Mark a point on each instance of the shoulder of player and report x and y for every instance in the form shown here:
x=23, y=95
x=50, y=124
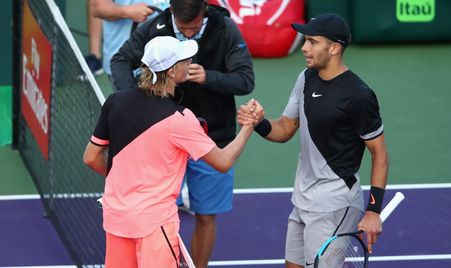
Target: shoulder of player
x=352, y=78
x=185, y=112
x=117, y=99
x=114, y=96
x=352, y=83
x=361, y=93
x=182, y=117
x=122, y=95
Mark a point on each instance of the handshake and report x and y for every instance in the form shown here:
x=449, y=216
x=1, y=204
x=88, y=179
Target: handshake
x=250, y=114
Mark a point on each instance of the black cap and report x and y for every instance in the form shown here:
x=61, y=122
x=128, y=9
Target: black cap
x=329, y=25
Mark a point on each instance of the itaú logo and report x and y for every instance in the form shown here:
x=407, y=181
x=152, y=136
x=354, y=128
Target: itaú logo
x=34, y=97
x=415, y=10
x=247, y=8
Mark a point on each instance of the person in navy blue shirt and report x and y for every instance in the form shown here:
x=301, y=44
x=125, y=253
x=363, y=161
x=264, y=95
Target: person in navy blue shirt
x=338, y=117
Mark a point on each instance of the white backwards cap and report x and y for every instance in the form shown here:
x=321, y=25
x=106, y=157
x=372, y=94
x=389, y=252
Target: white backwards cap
x=162, y=52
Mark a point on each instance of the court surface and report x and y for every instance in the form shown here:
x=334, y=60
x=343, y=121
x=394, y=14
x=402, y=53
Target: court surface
x=253, y=234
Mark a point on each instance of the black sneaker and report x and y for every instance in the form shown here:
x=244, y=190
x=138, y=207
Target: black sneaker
x=94, y=64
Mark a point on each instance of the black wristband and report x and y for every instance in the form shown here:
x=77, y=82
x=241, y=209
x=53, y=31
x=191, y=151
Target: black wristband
x=263, y=128
x=376, y=198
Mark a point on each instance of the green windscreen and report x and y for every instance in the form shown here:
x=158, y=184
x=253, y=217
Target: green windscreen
x=5, y=115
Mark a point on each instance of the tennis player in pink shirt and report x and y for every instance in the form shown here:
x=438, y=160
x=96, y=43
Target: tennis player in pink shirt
x=142, y=142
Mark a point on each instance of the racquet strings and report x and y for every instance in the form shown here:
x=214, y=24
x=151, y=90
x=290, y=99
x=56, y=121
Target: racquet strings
x=344, y=251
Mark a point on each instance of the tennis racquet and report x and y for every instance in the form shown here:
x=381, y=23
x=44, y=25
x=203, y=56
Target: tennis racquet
x=347, y=249
x=185, y=258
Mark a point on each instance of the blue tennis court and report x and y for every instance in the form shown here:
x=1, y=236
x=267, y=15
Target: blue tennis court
x=253, y=234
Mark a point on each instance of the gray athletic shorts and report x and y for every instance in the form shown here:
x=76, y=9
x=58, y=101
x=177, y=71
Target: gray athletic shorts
x=307, y=231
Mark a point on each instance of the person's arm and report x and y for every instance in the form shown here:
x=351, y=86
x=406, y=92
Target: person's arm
x=239, y=77
x=94, y=33
x=96, y=158
x=108, y=10
x=371, y=222
x=223, y=159
x=280, y=130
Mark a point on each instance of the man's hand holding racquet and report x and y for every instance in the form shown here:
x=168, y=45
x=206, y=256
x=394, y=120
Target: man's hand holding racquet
x=371, y=224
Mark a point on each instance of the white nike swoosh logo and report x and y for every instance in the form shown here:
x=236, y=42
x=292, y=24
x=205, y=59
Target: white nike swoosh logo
x=159, y=26
x=314, y=95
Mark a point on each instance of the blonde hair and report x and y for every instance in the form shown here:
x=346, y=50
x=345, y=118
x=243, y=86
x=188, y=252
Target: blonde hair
x=157, y=89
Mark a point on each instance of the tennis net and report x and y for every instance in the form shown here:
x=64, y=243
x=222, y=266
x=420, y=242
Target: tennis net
x=56, y=105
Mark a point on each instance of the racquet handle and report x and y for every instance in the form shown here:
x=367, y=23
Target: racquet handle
x=391, y=206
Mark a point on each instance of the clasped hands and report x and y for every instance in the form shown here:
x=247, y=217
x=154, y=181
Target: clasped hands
x=250, y=114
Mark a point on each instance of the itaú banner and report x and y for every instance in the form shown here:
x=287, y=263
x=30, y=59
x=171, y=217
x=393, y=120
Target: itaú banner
x=266, y=24
x=36, y=80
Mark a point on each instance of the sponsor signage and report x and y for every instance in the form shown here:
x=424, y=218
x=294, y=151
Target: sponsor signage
x=266, y=24
x=415, y=10
x=36, y=80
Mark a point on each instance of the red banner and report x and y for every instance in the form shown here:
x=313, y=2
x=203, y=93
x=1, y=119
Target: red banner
x=266, y=24
x=36, y=80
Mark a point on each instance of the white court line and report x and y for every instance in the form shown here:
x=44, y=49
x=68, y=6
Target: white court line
x=248, y=191
x=372, y=259
x=365, y=187
x=282, y=261
x=19, y=197
x=411, y=257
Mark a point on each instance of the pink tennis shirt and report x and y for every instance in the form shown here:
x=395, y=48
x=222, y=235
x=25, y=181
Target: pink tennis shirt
x=150, y=140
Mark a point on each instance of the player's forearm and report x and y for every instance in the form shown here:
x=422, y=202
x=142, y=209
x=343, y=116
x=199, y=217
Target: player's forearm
x=108, y=10
x=99, y=166
x=282, y=130
x=98, y=163
x=233, y=150
x=96, y=158
x=223, y=159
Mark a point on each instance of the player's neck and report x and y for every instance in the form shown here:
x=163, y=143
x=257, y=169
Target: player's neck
x=332, y=70
x=170, y=89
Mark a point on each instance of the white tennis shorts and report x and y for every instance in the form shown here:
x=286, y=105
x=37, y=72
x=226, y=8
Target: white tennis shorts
x=307, y=231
